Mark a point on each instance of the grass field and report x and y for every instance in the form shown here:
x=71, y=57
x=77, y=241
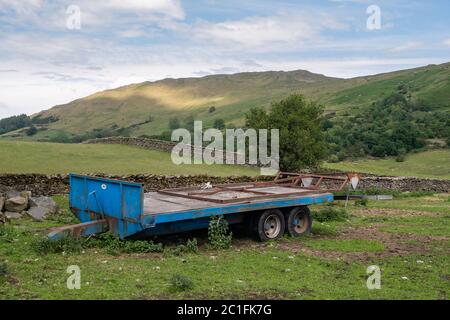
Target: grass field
x=409, y=245
x=429, y=164
x=52, y=158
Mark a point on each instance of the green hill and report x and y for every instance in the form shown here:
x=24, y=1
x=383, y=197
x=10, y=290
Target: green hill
x=428, y=164
x=56, y=158
x=146, y=108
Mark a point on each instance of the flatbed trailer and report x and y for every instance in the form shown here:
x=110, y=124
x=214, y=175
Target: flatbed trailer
x=269, y=208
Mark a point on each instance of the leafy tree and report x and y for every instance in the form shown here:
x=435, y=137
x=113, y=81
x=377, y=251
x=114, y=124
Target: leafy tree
x=302, y=141
x=31, y=131
x=174, y=123
x=14, y=123
x=189, y=123
x=219, y=124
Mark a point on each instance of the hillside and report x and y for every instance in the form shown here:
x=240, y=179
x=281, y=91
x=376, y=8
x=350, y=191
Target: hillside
x=146, y=108
x=428, y=164
x=55, y=158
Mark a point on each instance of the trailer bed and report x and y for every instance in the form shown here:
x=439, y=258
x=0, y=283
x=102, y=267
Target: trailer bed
x=124, y=209
x=160, y=203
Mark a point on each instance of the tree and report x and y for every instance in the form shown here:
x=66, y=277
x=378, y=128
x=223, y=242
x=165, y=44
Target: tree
x=302, y=141
x=31, y=131
x=14, y=123
x=219, y=124
x=174, y=123
x=189, y=123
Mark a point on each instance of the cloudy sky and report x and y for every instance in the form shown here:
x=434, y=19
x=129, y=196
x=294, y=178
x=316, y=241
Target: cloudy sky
x=52, y=52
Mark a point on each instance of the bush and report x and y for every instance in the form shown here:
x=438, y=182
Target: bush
x=31, y=131
x=218, y=234
x=181, y=283
x=192, y=245
x=363, y=202
x=114, y=245
x=106, y=241
x=329, y=213
x=66, y=244
x=333, y=159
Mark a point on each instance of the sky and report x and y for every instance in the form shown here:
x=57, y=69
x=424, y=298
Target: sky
x=53, y=52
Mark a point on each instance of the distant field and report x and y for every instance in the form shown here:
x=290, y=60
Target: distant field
x=53, y=158
x=429, y=164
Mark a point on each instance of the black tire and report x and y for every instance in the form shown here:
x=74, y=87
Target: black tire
x=268, y=225
x=299, y=221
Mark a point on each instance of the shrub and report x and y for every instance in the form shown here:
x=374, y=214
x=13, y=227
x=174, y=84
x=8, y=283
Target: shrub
x=114, y=245
x=66, y=244
x=181, y=283
x=329, y=213
x=333, y=158
x=106, y=241
x=363, y=202
x=140, y=246
x=192, y=245
x=31, y=131
x=218, y=233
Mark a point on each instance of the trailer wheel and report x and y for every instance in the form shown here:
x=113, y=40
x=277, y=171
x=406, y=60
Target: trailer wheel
x=299, y=221
x=269, y=225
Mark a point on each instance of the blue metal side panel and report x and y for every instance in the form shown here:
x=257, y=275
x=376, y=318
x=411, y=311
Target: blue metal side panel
x=119, y=201
x=237, y=208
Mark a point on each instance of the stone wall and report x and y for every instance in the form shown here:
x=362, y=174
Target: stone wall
x=43, y=185
x=152, y=144
x=166, y=146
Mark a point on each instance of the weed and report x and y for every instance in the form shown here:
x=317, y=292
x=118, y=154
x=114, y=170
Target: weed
x=114, y=245
x=66, y=244
x=324, y=229
x=8, y=233
x=192, y=245
x=363, y=202
x=181, y=283
x=329, y=213
x=3, y=269
x=218, y=233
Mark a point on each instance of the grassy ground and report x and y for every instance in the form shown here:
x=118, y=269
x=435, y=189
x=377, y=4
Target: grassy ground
x=429, y=164
x=410, y=245
x=52, y=158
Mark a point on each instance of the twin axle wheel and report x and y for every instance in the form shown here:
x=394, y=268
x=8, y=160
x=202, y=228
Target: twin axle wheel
x=272, y=224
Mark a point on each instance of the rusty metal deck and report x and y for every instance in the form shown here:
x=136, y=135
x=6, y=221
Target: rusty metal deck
x=159, y=203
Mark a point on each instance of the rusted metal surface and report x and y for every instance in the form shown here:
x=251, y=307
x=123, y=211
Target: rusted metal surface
x=81, y=229
x=288, y=184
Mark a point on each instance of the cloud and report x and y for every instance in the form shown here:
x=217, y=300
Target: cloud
x=447, y=42
x=264, y=31
x=411, y=45
x=171, y=8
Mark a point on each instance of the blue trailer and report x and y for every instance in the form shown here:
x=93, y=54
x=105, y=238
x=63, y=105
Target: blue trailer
x=269, y=208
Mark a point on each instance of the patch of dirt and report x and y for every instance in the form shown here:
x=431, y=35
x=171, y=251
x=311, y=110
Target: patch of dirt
x=395, y=244
x=393, y=212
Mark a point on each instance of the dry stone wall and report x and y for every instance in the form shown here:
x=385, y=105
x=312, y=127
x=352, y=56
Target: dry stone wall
x=43, y=185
